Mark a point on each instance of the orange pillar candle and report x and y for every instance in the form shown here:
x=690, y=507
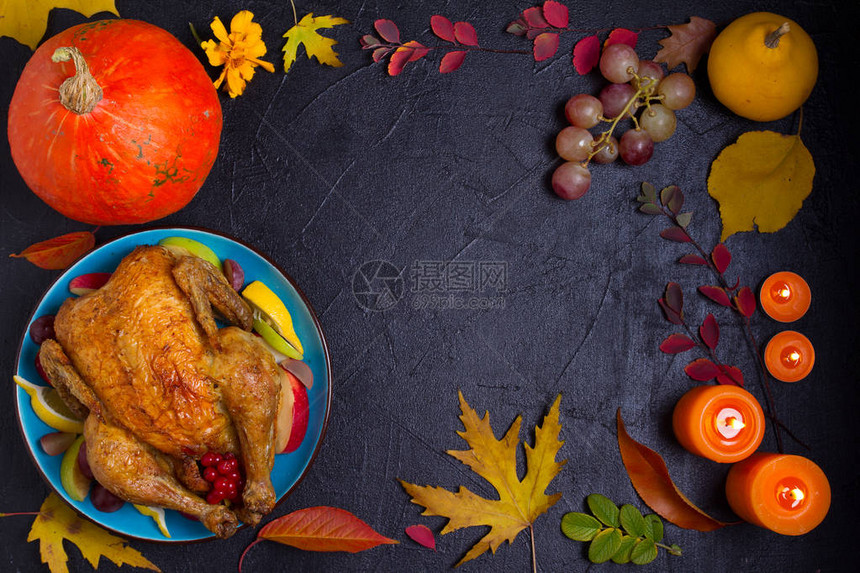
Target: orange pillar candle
x=789, y=356
x=722, y=423
x=786, y=494
x=785, y=296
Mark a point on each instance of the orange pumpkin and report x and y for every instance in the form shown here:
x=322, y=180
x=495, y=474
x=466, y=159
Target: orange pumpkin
x=114, y=122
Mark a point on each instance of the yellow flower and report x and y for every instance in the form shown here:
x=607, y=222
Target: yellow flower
x=239, y=52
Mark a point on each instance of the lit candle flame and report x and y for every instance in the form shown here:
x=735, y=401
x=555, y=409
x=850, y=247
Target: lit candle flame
x=793, y=494
x=785, y=292
x=734, y=423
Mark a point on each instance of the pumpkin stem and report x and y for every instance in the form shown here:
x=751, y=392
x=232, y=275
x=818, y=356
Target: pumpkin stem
x=79, y=93
x=772, y=40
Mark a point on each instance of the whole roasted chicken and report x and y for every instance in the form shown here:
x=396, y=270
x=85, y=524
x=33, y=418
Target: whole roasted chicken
x=143, y=361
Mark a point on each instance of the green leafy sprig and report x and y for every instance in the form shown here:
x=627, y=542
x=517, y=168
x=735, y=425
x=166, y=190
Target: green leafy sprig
x=622, y=535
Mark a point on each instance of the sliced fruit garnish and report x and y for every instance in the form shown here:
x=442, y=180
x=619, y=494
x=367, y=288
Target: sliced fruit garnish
x=284, y=417
x=50, y=408
x=186, y=246
x=76, y=484
x=270, y=309
x=84, y=284
x=300, y=370
x=275, y=340
x=156, y=513
x=301, y=414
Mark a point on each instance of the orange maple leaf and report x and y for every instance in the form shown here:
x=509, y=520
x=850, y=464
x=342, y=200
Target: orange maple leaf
x=520, y=501
x=687, y=44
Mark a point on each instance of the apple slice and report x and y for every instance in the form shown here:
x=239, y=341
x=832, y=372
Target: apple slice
x=88, y=283
x=291, y=424
x=186, y=246
x=76, y=484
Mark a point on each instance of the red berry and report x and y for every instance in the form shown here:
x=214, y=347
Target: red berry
x=222, y=485
x=227, y=466
x=210, y=459
x=229, y=456
x=234, y=495
x=234, y=476
x=210, y=474
x=214, y=497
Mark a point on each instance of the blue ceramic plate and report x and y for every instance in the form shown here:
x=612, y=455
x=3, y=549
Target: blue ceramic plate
x=289, y=468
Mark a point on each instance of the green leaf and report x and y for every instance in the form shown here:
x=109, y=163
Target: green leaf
x=604, y=545
x=653, y=528
x=603, y=509
x=650, y=209
x=580, y=526
x=623, y=554
x=632, y=520
x=684, y=219
x=649, y=192
x=667, y=193
x=643, y=552
x=674, y=549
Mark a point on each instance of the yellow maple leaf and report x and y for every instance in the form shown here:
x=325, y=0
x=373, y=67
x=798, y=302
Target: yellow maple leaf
x=761, y=181
x=305, y=33
x=57, y=521
x=27, y=20
x=520, y=501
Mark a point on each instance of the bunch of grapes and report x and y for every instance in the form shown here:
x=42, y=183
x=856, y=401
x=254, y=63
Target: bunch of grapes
x=640, y=92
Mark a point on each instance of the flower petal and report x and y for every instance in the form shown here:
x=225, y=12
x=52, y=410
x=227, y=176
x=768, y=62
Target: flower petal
x=235, y=83
x=219, y=30
x=263, y=64
x=241, y=22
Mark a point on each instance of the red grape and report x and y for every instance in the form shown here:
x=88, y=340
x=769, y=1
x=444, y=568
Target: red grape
x=583, y=110
x=617, y=61
x=614, y=98
x=636, y=147
x=608, y=153
x=234, y=274
x=83, y=462
x=574, y=143
x=103, y=500
x=678, y=90
x=42, y=328
x=571, y=180
x=659, y=122
x=650, y=69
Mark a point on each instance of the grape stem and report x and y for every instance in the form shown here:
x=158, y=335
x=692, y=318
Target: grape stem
x=645, y=86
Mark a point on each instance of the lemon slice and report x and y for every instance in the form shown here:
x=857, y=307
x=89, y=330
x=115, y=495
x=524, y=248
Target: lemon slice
x=271, y=310
x=50, y=408
x=76, y=484
x=156, y=513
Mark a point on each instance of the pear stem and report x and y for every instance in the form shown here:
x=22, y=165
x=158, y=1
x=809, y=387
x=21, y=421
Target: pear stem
x=772, y=40
x=81, y=92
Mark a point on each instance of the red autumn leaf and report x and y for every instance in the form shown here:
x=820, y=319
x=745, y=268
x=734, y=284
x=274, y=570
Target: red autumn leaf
x=673, y=198
x=710, y=331
x=676, y=234
x=422, y=535
x=671, y=315
x=388, y=30
x=545, y=47
x=442, y=27
x=745, y=301
x=465, y=34
x=556, y=14
x=369, y=41
x=651, y=480
x=419, y=50
x=380, y=53
x=730, y=375
x=716, y=294
x=674, y=297
x=322, y=528
x=621, y=36
x=59, y=252
x=586, y=54
x=451, y=61
x=687, y=44
x=677, y=343
x=721, y=257
x=398, y=60
x=692, y=260
x=534, y=17
x=702, y=370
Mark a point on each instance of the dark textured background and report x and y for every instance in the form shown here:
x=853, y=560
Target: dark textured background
x=325, y=169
